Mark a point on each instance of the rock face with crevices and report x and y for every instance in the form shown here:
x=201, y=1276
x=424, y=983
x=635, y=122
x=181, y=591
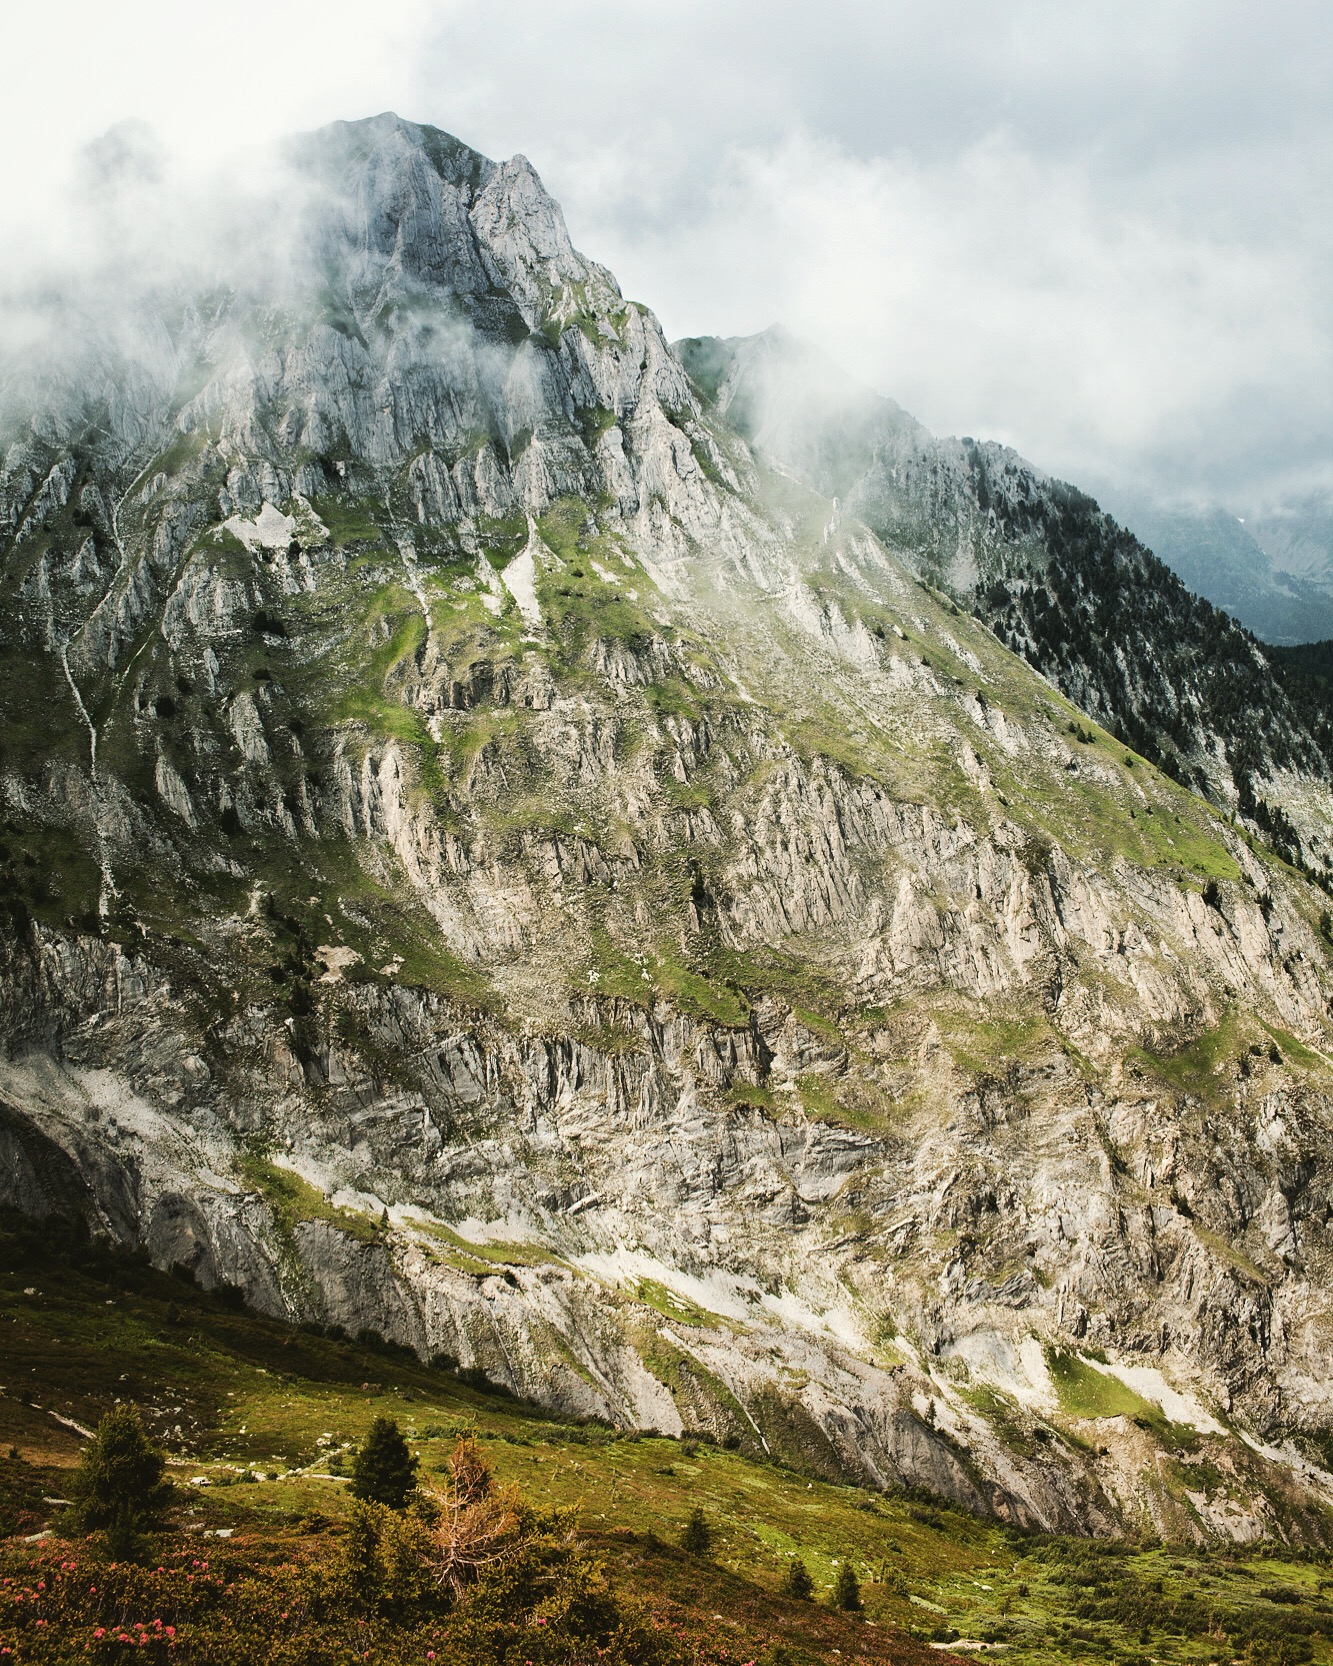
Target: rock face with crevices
x=490, y=859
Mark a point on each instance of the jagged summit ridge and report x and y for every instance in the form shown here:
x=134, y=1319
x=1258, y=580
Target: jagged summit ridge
x=437, y=312
x=456, y=316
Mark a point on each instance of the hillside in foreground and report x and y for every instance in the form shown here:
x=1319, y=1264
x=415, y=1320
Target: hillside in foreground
x=260, y=1418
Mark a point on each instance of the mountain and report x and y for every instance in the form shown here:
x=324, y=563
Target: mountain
x=502, y=853
x=1297, y=534
x=1219, y=557
x=1054, y=577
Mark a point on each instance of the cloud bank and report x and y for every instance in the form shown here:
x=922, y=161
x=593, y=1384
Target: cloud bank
x=1100, y=234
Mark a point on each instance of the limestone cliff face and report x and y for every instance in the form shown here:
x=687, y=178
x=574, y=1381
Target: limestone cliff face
x=490, y=860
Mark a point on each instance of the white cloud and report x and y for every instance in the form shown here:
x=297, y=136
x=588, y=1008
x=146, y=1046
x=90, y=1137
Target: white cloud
x=1102, y=233
x=999, y=292
x=210, y=79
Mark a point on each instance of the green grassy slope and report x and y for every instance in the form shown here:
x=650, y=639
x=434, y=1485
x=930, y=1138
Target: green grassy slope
x=259, y=1419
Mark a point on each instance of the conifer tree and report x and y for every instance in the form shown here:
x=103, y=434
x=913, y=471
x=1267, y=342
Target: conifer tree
x=385, y=1471
x=846, y=1591
x=119, y=1487
x=697, y=1536
x=798, y=1583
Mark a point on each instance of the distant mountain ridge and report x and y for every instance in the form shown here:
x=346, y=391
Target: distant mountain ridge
x=1058, y=580
x=1239, y=566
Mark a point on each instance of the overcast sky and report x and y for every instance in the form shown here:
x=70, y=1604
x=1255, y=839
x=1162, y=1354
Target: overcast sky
x=1099, y=231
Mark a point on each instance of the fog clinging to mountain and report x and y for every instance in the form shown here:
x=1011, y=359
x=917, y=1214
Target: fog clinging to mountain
x=1101, y=237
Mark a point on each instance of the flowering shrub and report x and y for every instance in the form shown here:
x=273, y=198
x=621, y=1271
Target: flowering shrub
x=75, y=1596
x=549, y=1604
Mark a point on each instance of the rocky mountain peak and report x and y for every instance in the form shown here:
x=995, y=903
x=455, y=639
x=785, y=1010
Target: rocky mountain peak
x=404, y=208
x=494, y=854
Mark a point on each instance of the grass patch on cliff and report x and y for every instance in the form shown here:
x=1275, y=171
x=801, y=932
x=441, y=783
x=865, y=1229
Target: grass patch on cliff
x=580, y=609
x=1112, y=804
x=485, y=1255
x=989, y=1044
x=465, y=735
x=178, y=455
x=676, y=1307
x=392, y=629
x=815, y=997
x=1086, y=1392
x=325, y=888
x=1136, y=815
x=40, y=726
x=47, y=874
x=292, y=1200
x=612, y=973
x=501, y=537
x=594, y=592
x=351, y=520
x=819, y=1098
x=754, y=1097
x=390, y=633
x=823, y=734
x=1293, y=1050
x=1195, y=1068
x=694, y=992
x=1003, y=1415
x=659, y=973
x=1226, y=1251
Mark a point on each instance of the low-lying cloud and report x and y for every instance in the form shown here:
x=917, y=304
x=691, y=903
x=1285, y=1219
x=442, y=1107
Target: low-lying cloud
x=997, y=292
x=1101, y=234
